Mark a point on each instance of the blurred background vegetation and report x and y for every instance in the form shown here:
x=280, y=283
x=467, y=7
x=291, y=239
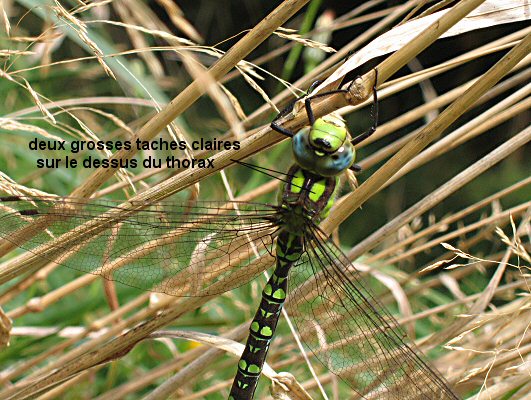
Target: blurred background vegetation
x=54, y=69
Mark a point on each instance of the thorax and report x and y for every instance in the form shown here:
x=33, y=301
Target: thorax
x=304, y=197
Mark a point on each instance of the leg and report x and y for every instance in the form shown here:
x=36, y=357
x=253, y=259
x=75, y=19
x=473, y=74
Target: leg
x=286, y=132
x=308, y=102
x=313, y=86
x=356, y=168
x=374, y=112
x=280, y=129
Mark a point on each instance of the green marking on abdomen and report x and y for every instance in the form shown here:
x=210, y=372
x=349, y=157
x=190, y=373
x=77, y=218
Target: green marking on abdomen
x=265, y=321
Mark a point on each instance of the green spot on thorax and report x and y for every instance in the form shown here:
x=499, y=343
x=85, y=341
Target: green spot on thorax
x=297, y=181
x=317, y=190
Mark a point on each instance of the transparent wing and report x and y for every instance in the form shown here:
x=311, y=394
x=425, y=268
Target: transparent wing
x=352, y=333
x=182, y=250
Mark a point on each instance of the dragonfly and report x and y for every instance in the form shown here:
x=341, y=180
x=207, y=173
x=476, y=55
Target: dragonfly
x=208, y=248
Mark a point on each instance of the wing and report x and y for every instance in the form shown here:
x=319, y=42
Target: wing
x=352, y=333
x=182, y=250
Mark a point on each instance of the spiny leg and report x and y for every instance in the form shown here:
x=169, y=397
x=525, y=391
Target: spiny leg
x=356, y=168
x=374, y=111
x=308, y=102
x=287, y=132
x=279, y=128
x=309, y=112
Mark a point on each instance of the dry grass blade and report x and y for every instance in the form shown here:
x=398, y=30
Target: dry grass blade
x=442, y=239
x=79, y=27
x=178, y=105
x=433, y=130
x=488, y=14
x=180, y=21
x=192, y=93
x=5, y=328
x=437, y=197
x=290, y=35
x=220, y=344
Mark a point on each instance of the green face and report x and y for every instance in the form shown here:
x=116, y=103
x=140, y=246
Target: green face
x=324, y=149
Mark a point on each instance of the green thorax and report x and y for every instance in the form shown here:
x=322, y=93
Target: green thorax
x=305, y=197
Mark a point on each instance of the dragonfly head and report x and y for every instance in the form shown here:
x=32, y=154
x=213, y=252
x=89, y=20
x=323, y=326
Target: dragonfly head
x=324, y=148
